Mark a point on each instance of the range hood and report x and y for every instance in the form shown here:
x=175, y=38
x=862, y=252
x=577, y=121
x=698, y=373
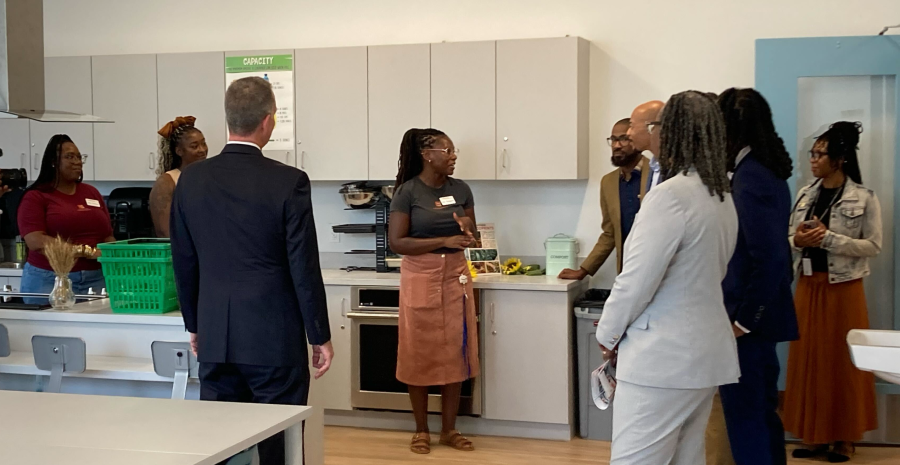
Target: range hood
x=22, y=65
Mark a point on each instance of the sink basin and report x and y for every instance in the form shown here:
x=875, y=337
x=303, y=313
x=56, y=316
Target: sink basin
x=11, y=265
x=876, y=351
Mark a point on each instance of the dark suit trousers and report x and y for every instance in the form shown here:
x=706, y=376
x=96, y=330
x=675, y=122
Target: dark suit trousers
x=751, y=406
x=228, y=382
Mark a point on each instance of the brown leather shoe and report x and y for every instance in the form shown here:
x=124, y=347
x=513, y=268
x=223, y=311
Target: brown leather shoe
x=457, y=441
x=421, y=443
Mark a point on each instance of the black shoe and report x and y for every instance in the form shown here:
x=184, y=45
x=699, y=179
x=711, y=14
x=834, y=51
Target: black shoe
x=808, y=452
x=834, y=457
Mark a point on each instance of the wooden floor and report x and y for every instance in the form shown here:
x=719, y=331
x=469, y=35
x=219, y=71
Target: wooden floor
x=346, y=446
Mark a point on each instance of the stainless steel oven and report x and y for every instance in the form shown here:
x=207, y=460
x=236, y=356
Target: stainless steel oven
x=375, y=312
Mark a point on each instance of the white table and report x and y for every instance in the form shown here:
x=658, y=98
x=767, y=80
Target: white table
x=146, y=431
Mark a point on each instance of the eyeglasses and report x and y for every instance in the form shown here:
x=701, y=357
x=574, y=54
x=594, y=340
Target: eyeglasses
x=814, y=155
x=73, y=158
x=446, y=151
x=613, y=140
x=651, y=125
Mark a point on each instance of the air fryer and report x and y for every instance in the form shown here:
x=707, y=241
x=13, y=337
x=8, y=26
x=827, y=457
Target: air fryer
x=129, y=210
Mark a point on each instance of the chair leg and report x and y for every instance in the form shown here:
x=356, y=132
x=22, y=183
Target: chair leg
x=56, y=374
x=179, y=387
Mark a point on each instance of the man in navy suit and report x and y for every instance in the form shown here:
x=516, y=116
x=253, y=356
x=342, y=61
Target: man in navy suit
x=757, y=288
x=247, y=267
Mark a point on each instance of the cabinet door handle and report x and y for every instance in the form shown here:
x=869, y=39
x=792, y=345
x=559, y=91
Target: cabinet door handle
x=503, y=158
x=493, y=331
x=24, y=160
x=36, y=161
x=152, y=161
x=303, y=159
x=343, y=310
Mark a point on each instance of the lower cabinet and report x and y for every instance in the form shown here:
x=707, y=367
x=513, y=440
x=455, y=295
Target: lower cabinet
x=527, y=356
x=332, y=391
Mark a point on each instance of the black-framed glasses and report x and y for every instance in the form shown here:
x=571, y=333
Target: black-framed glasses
x=814, y=155
x=652, y=125
x=446, y=151
x=613, y=140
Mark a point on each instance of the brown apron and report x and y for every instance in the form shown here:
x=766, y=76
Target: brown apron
x=437, y=327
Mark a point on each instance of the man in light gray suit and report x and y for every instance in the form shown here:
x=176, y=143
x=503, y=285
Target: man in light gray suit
x=666, y=315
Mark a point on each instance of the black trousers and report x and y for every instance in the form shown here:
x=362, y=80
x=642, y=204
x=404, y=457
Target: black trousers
x=229, y=382
x=751, y=406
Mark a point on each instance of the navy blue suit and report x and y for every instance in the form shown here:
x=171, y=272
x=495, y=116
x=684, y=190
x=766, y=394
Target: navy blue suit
x=247, y=269
x=757, y=291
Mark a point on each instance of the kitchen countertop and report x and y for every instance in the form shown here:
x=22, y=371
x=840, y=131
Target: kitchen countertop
x=96, y=311
x=334, y=277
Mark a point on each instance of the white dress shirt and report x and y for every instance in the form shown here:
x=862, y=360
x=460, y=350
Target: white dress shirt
x=240, y=142
x=666, y=312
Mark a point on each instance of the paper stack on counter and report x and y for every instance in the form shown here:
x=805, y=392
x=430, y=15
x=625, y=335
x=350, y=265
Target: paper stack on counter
x=603, y=385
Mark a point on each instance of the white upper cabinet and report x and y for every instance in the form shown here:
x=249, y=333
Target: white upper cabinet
x=14, y=137
x=399, y=99
x=542, y=108
x=67, y=87
x=463, y=104
x=331, y=113
x=124, y=90
x=193, y=84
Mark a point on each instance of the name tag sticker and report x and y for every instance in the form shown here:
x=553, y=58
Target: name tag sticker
x=447, y=201
x=807, y=267
x=92, y=202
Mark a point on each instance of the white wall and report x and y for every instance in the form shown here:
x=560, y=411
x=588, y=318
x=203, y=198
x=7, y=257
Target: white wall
x=642, y=50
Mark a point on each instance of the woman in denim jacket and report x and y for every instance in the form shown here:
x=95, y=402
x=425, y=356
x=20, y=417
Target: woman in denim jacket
x=835, y=228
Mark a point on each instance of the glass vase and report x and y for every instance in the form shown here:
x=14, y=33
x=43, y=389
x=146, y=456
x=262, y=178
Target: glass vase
x=62, y=297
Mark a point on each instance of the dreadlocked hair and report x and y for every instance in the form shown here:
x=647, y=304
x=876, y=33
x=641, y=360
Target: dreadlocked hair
x=168, y=159
x=748, y=123
x=414, y=141
x=693, y=136
x=843, y=138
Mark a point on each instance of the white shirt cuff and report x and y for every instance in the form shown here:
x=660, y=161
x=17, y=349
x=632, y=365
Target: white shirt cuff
x=742, y=328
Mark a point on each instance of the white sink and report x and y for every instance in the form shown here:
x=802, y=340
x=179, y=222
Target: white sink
x=876, y=351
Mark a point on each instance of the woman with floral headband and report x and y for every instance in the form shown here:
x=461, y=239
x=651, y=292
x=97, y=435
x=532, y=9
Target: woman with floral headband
x=180, y=145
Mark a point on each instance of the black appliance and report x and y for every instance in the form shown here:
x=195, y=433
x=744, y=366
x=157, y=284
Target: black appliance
x=16, y=179
x=129, y=210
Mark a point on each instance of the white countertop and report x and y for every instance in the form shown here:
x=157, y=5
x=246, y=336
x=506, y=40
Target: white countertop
x=96, y=311
x=334, y=277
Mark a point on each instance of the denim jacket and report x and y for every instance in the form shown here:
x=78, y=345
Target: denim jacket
x=854, y=231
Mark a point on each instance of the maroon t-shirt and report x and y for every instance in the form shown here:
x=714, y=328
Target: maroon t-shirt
x=81, y=218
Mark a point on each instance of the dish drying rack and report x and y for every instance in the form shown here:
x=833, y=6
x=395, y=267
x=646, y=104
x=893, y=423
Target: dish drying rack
x=383, y=253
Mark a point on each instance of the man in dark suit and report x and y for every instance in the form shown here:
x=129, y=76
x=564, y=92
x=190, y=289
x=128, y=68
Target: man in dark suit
x=757, y=288
x=247, y=267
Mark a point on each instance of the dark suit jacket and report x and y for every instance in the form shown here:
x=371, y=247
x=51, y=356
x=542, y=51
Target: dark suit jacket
x=757, y=288
x=247, y=261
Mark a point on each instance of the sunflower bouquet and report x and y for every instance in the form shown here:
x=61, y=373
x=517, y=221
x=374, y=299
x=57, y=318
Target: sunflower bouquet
x=514, y=266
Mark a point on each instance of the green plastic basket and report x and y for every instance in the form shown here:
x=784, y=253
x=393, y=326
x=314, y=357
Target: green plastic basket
x=139, y=276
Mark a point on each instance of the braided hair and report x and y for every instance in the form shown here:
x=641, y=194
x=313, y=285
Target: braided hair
x=748, y=122
x=842, y=139
x=693, y=136
x=414, y=141
x=168, y=158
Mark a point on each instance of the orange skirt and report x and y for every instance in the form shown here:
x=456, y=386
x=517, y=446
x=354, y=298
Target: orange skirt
x=827, y=398
x=437, y=328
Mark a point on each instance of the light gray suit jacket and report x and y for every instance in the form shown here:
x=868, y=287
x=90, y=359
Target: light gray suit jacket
x=666, y=311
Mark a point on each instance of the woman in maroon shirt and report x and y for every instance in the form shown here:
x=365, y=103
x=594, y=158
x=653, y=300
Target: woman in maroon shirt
x=58, y=203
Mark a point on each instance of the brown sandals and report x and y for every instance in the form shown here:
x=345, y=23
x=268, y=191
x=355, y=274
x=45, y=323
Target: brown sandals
x=457, y=441
x=421, y=443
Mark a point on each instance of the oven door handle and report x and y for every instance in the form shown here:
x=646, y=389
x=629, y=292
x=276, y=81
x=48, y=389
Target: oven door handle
x=374, y=315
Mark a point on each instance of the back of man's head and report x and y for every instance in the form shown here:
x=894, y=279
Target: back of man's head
x=247, y=103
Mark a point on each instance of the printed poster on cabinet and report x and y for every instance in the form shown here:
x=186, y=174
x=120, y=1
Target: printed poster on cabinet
x=279, y=71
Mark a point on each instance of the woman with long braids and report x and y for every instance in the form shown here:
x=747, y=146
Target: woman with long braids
x=432, y=221
x=665, y=319
x=835, y=229
x=59, y=204
x=180, y=145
